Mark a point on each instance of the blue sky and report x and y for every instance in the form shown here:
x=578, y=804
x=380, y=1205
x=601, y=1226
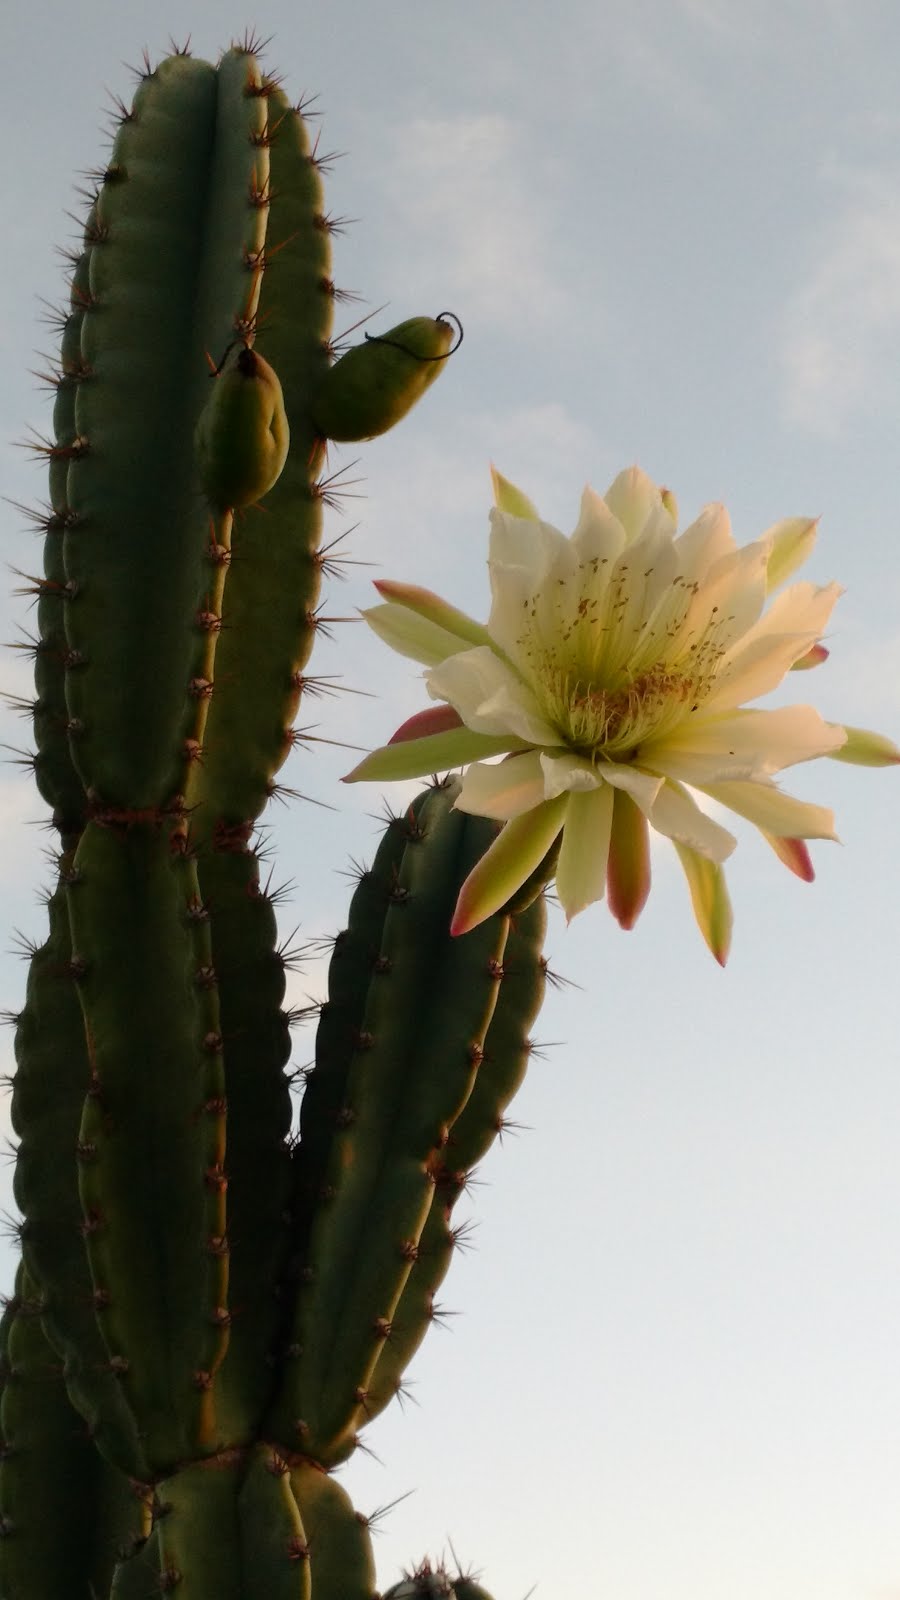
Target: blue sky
x=672, y=231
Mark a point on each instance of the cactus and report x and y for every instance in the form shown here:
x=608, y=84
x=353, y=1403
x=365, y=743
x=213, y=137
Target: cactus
x=209, y=1310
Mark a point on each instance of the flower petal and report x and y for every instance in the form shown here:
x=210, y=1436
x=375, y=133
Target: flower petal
x=490, y=696
x=503, y=789
x=864, y=749
x=583, y=857
x=567, y=773
x=704, y=543
x=791, y=542
x=676, y=815
x=740, y=744
x=628, y=868
x=430, y=606
x=709, y=898
x=773, y=811
x=632, y=497
x=794, y=853
x=814, y=657
x=437, y=752
x=508, y=498
x=789, y=629
x=436, y=719
x=599, y=536
x=517, y=851
x=413, y=635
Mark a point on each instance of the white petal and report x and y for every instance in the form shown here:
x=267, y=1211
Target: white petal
x=508, y=497
x=503, y=789
x=631, y=497
x=704, y=543
x=727, y=603
x=741, y=744
x=572, y=773
x=676, y=815
x=789, y=628
x=774, y=812
x=791, y=542
x=581, y=869
x=489, y=696
x=599, y=535
x=643, y=787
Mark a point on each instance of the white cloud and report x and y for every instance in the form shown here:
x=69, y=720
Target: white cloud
x=842, y=326
x=470, y=218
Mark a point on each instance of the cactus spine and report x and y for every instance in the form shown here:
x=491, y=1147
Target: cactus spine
x=208, y=1312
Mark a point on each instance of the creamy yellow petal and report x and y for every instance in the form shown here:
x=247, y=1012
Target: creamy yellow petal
x=584, y=854
x=790, y=544
x=503, y=789
x=567, y=774
x=675, y=814
x=773, y=811
x=507, y=497
x=632, y=497
x=707, y=541
x=490, y=696
x=740, y=744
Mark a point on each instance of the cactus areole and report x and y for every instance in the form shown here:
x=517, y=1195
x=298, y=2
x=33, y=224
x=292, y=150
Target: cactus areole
x=210, y=1307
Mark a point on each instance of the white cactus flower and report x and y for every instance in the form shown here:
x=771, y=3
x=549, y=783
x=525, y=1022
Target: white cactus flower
x=613, y=678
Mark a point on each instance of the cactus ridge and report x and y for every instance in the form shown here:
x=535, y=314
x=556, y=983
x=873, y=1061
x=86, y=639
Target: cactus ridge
x=401, y=1093
x=208, y=1311
x=51, y=1476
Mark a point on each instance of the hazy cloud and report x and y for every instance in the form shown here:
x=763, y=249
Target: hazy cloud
x=842, y=326
x=459, y=185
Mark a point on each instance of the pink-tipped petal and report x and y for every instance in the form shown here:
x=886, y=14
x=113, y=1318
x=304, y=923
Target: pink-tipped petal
x=437, y=719
x=628, y=870
x=518, y=850
x=709, y=898
x=430, y=606
x=794, y=853
x=813, y=658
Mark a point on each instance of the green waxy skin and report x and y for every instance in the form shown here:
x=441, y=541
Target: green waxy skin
x=211, y=1311
x=52, y=1079
x=51, y=1477
x=507, y=1049
x=242, y=436
x=340, y=1547
x=412, y=1065
x=152, y=1134
x=274, y=1547
x=374, y=385
x=136, y=1576
x=198, y=1535
x=250, y=988
x=162, y=291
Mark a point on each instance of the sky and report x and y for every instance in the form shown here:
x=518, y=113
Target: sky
x=672, y=232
